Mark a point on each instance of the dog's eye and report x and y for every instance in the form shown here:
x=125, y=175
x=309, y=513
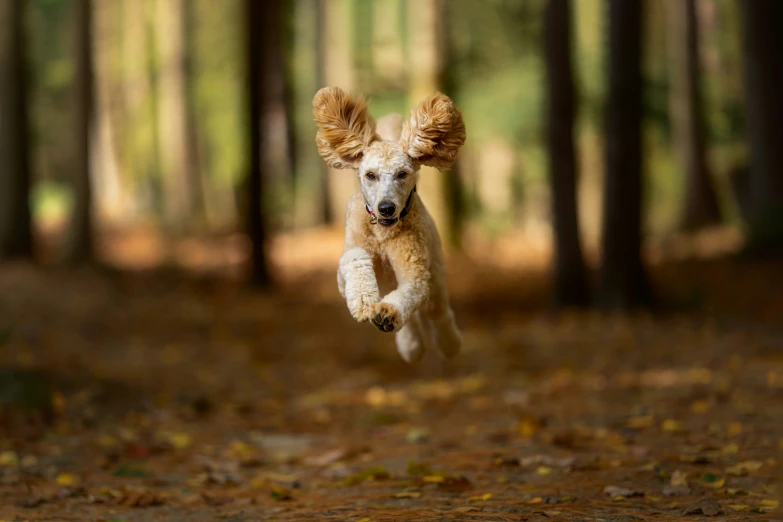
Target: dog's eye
x=402, y=175
x=370, y=176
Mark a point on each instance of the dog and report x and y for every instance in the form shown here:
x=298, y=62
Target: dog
x=389, y=235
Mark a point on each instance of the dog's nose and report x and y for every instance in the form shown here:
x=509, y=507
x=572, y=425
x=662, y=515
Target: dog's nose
x=386, y=208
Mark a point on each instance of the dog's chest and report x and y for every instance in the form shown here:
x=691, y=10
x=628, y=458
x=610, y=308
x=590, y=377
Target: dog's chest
x=384, y=273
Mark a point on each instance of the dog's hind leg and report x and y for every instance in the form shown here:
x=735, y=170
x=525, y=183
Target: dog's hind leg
x=447, y=337
x=414, y=338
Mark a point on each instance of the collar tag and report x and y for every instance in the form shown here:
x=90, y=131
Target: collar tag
x=373, y=217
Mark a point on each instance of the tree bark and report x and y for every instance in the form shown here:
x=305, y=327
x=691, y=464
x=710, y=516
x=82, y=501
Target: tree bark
x=569, y=268
x=426, y=62
x=453, y=189
x=175, y=120
x=623, y=281
x=80, y=247
x=16, y=237
x=700, y=203
x=257, y=21
x=763, y=86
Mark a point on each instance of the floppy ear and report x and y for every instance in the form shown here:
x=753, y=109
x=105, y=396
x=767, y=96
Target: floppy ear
x=434, y=133
x=345, y=128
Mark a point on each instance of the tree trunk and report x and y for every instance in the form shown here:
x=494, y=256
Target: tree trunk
x=16, y=238
x=425, y=56
x=570, y=274
x=326, y=210
x=338, y=70
x=257, y=21
x=80, y=247
x=623, y=282
x=700, y=203
x=763, y=86
x=175, y=120
x=453, y=188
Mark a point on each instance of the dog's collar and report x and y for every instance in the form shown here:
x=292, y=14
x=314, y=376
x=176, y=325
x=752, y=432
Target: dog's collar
x=405, y=211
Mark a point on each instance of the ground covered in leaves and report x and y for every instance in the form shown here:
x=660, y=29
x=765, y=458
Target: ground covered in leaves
x=135, y=397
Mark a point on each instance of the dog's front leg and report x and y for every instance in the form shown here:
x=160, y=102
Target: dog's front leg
x=357, y=283
x=408, y=259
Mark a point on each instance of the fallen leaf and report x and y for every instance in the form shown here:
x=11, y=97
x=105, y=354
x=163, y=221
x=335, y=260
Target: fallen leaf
x=543, y=470
x=676, y=491
x=624, y=492
x=707, y=507
x=464, y=509
x=735, y=428
x=369, y=474
x=772, y=504
x=679, y=478
x=416, y=469
x=127, y=470
x=417, y=435
x=730, y=449
x=279, y=493
x=739, y=507
x=671, y=426
x=711, y=480
x=455, y=484
x=66, y=479
x=179, y=440
x=545, y=460
x=9, y=459
x=434, y=479
x=640, y=423
x=480, y=498
x=743, y=468
x=528, y=427
x=699, y=407
x=330, y=457
x=408, y=494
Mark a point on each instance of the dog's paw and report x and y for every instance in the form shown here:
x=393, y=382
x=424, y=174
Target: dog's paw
x=363, y=308
x=386, y=317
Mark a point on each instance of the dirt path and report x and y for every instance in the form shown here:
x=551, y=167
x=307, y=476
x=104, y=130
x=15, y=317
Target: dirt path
x=176, y=400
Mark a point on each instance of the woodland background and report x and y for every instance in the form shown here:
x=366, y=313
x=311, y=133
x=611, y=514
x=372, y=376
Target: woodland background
x=172, y=343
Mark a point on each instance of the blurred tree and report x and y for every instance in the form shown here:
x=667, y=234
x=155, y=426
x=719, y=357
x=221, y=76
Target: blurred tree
x=425, y=59
x=80, y=247
x=259, y=17
x=338, y=70
x=700, y=203
x=15, y=178
x=623, y=281
x=453, y=188
x=763, y=88
x=183, y=197
x=570, y=277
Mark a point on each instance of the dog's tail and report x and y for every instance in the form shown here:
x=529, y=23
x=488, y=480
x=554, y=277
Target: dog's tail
x=389, y=128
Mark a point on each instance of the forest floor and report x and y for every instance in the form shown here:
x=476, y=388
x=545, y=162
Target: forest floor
x=137, y=396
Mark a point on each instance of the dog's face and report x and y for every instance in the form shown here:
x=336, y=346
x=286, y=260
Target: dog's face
x=388, y=170
x=387, y=176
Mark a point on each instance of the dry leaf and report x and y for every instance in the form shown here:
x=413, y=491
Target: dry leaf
x=615, y=491
x=679, y=478
x=707, y=507
x=743, y=468
x=671, y=426
x=66, y=479
x=480, y=498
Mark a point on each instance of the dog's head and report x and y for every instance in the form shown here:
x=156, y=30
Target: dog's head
x=387, y=168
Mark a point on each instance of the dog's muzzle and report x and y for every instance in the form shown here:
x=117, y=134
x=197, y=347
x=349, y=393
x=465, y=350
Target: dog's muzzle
x=387, y=221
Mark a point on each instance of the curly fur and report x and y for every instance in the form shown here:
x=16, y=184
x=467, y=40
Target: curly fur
x=405, y=252
x=434, y=133
x=345, y=127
